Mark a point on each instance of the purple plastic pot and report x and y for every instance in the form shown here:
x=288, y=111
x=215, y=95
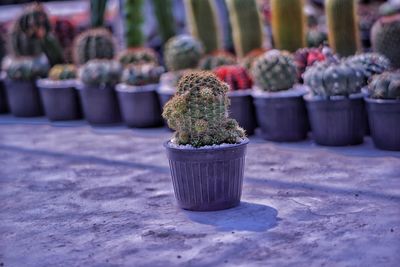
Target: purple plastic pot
x=23, y=98
x=384, y=120
x=207, y=179
x=100, y=104
x=3, y=98
x=60, y=99
x=337, y=122
x=139, y=105
x=242, y=110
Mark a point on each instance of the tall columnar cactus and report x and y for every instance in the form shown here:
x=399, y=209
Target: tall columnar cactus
x=97, y=10
x=372, y=63
x=343, y=34
x=139, y=55
x=62, y=72
x=306, y=57
x=139, y=75
x=182, y=52
x=288, y=24
x=274, y=71
x=216, y=59
x=133, y=23
x=246, y=26
x=199, y=112
x=203, y=23
x=100, y=72
x=385, y=38
x=385, y=86
x=235, y=76
x=27, y=68
x=163, y=11
x=95, y=43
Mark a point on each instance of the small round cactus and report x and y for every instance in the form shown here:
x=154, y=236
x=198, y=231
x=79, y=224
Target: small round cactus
x=182, y=52
x=139, y=75
x=385, y=86
x=199, y=112
x=274, y=71
x=216, y=59
x=235, y=76
x=62, y=72
x=140, y=55
x=250, y=57
x=100, y=72
x=306, y=57
x=372, y=63
x=27, y=69
x=34, y=21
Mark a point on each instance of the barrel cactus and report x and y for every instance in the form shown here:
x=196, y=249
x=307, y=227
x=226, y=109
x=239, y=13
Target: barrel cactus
x=274, y=71
x=199, y=112
x=385, y=86
x=372, y=63
x=139, y=75
x=27, y=68
x=248, y=60
x=62, y=72
x=182, y=52
x=137, y=56
x=235, y=76
x=306, y=57
x=216, y=59
x=100, y=72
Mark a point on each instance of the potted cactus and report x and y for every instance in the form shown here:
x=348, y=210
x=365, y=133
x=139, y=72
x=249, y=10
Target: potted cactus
x=137, y=95
x=281, y=112
x=137, y=56
x=216, y=59
x=207, y=153
x=336, y=106
x=383, y=106
x=242, y=107
x=60, y=99
x=97, y=79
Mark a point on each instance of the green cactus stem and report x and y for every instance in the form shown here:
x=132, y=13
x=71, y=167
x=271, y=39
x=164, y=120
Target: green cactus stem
x=97, y=10
x=165, y=18
x=133, y=18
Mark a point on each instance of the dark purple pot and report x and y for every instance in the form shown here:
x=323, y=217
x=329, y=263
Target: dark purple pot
x=282, y=118
x=100, y=104
x=3, y=98
x=60, y=100
x=23, y=98
x=140, y=106
x=384, y=120
x=337, y=122
x=243, y=111
x=207, y=179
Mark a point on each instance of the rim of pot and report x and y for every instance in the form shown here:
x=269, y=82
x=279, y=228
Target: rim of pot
x=168, y=145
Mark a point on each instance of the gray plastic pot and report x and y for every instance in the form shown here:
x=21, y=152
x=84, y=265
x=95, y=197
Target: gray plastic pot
x=60, y=99
x=282, y=116
x=23, y=98
x=3, y=98
x=337, y=122
x=99, y=104
x=242, y=110
x=384, y=121
x=139, y=105
x=207, y=179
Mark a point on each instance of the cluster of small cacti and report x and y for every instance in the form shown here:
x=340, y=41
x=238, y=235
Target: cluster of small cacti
x=306, y=57
x=133, y=22
x=250, y=57
x=182, y=52
x=327, y=79
x=137, y=56
x=274, y=71
x=385, y=86
x=216, y=59
x=27, y=68
x=138, y=75
x=199, y=112
x=100, y=72
x=372, y=63
x=235, y=76
x=62, y=72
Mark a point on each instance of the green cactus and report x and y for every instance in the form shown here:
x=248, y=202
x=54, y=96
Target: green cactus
x=133, y=23
x=372, y=63
x=216, y=59
x=165, y=18
x=27, y=68
x=62, y=72
x=246, y=26
x=385, y=86
x=95, y=43
x=203, y=23
x=343, y=34
x=22, y=45
x=34, y=21
x=182, y=52
x=315, y=37
x=136, y=56
x=327, y=79
x=199, y=112
x=274, y=71
x=139, y=75
x=100, y=72
x=97, y=10
x=288, y=24
x=385, y=38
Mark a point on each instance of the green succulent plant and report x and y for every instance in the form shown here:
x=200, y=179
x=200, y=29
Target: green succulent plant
x=182, y=52
x=136, y=56
x=139, y=75
x=372, y=63
x=385, y=86
x=216, y=59
x=100, y=72
x=62, y=72
x=27, y=68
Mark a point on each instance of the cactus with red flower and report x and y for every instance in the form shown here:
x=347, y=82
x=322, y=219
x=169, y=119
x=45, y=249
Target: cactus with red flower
x=235, y=76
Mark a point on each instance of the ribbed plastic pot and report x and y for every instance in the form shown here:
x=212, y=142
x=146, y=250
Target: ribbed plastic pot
x=23, y=98
x=384, y=120
x=3, y=98
x=60, y=100
x=337, y=122
x=282, y=118
x=140, y=107
x=242, y=110
x=99, y=104
x=207, y=179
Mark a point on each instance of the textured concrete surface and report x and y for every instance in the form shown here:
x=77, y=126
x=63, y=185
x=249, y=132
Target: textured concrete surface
x=71, y=195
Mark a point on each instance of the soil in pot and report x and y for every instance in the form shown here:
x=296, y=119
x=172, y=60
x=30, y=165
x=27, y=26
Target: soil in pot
x=384, y=120
x=242, y=110
x=339, y=121
x=207, y=178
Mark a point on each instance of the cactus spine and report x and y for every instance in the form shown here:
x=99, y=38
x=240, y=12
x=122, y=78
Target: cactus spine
x=288, y=24
x=165, y=18
x=133, y=23
x=246, y=26
x=97, y=10
x=343, y=35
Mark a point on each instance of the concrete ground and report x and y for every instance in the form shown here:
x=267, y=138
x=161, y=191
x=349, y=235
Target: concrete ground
x=72, y=195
